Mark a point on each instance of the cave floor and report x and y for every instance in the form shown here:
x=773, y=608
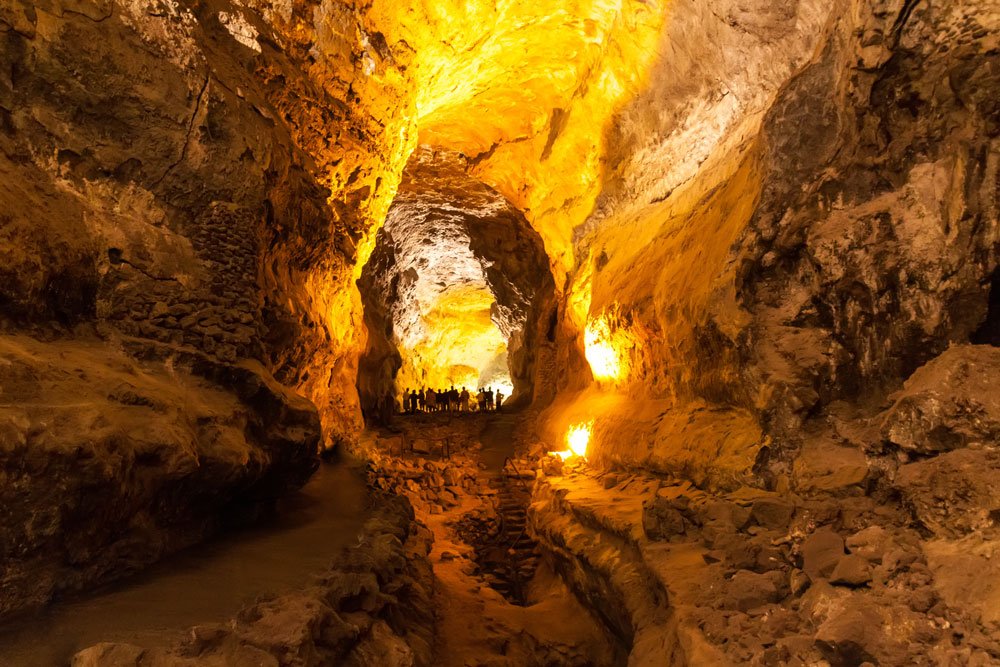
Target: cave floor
x=208, y=583
x=677, y=574
x=464, y=501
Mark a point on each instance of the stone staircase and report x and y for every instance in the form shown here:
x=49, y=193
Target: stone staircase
x=505, y=552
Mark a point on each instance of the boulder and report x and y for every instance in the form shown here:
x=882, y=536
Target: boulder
x=663, y=518
x=772, y=513
x=109, y=655
x=381, y=648
x=967, y=575
x=869, y=543
x=851, y=570
x=826, y=466
x=821, y=552
x=954, y=493
x=846, y=639
x=949, y=403
x=749, y=590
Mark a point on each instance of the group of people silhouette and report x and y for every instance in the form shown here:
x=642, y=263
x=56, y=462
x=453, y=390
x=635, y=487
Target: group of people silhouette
x=451, y=400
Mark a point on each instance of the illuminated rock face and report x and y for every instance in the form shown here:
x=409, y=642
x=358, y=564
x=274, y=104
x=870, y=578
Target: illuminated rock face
x=824, y=247
x=158, y=228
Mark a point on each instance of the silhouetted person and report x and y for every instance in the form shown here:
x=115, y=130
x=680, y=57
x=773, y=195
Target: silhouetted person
x=420, y=399
x=431, y=400
x=489, y=398
x=463, y=400
x=453, y=398
x=499, y=400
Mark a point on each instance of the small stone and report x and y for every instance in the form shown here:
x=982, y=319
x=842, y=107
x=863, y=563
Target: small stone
x=851, y=570
x=821, y=552
x=180, y=310
x=896, y=559
x=869, y=543
x=798, y=581
x=159, y=310
x=772, y=513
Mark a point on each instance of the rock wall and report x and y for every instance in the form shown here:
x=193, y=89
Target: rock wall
x=791, y=429
x=180, y=225
x=109, y=463
x=198, y=184
x=839, y=231
x=881, y=225
x=788, y=210
x=457, y=285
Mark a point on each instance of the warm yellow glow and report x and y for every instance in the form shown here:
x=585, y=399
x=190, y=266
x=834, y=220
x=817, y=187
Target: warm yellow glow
x=607, y=347
x=526, y=89
x=577, y=439
x=505, y=387
x=500, y=80
x=604, y=359
x=457, y=341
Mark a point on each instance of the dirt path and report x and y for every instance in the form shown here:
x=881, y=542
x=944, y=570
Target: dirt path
x=476, y=625
x=208, y=583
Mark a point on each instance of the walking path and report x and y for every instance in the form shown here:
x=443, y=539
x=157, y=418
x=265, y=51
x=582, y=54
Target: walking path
x=208, y=583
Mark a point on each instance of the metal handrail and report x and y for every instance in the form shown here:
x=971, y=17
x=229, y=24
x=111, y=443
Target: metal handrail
x=513, y=465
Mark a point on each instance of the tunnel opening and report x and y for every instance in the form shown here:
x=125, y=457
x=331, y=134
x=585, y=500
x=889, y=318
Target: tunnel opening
x=454, y=293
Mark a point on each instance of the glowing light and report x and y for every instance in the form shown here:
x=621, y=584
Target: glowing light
x=604, y=349
x=577, y=439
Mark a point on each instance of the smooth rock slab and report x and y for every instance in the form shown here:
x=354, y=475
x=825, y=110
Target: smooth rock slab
x=826, y=466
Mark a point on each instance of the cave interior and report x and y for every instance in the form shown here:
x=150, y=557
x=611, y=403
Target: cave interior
x=716, y=284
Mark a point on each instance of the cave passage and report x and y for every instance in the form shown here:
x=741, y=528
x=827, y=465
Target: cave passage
x=734, y=264
x=454, y=291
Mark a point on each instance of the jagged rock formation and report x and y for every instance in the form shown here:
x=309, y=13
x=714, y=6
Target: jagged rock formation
x=109, y=463
x=149, y=243
x=828, y=256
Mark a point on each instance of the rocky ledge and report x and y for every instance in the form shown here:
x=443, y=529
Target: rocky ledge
x=108, y=463
x=371, y=607
x=831, y=568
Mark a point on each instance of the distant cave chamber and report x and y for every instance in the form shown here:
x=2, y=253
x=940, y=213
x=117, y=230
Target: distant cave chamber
x=457, y=291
